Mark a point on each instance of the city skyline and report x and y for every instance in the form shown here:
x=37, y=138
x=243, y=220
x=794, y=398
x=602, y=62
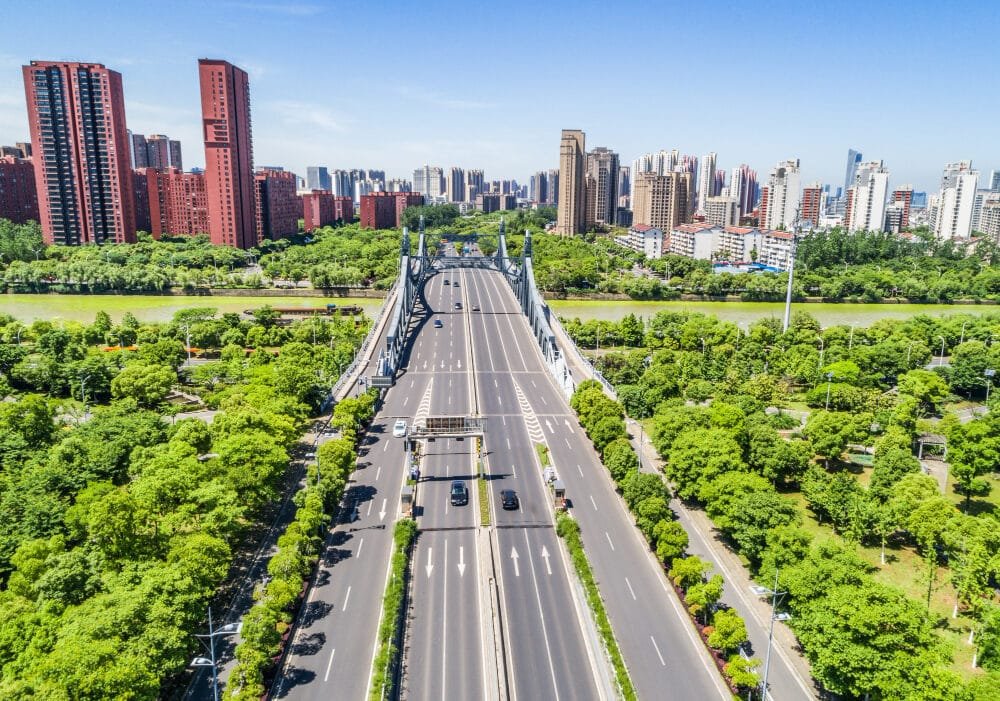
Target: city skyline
x=358, y=117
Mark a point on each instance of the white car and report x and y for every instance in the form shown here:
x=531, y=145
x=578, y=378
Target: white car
x=399, y=428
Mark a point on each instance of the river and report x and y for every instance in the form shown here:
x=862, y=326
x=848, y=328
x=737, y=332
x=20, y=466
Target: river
x=82, y=308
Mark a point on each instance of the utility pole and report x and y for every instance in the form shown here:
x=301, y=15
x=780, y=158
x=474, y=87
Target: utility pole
x=791, y=271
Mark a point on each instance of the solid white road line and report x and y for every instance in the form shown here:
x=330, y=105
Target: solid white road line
x=541, y=617
x=444, y=627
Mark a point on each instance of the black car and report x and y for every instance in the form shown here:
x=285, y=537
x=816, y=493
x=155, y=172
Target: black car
x=475, y=307
x=459, y=493
x=458, y=305
x=509, y=500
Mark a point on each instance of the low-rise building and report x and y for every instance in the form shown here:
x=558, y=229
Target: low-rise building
x=643, y=239
x=384, y=210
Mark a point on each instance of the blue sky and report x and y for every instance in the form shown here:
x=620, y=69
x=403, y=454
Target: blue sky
x=379, y=84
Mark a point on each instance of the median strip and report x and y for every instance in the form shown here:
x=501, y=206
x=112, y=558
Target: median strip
x=391, y=626
x=569, y=530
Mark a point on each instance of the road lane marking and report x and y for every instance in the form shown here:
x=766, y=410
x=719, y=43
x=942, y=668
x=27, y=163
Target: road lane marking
x=378, y=472
x=381, y=514
x=545, y=556
x=406, y=399
x=346, y=599
x=495, y=383
x=361, y=544
x=657, y=648
x=444, y=627
x=326, y=677
x=385, y=446
x=580, y=470
x=533, y=384
x=630, y=589
x=571, y=430
x=593, y=502
x=609, y=540
x=461, y=560
x=541, y=617
x=508, y=444
x=513, y=472
x=514, y=558
x=371, y=503
x=568, y=444
x=430, y=561
x=541, y=396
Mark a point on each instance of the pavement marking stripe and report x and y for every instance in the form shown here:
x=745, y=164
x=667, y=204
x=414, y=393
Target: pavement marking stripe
x=630, y=589
x=609, y=540
x=326, y=677
x=378, y=472
x=595, y=508
x=361, y=544
x=657, y=648
x=347, y=598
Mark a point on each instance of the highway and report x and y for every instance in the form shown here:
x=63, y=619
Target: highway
x=487, y=360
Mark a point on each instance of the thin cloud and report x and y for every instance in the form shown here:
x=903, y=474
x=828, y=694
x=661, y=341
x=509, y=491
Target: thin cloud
x=295, y=113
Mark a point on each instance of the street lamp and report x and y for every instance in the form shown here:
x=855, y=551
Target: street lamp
x=850, y=339
x=909, y=349
x=210, y=661
x=961, y=338
x=829, y=379
x=791, y=273
x=776, y=597
x=822, y=346
x=941, y=357
x=86, y=410
x=988, y=373
x=187, y=343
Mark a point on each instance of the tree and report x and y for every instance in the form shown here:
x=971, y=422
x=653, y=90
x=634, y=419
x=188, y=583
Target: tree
x=774, y=457
x=742, y=672
x=620, y=459
x=702, y=597
x=147, y=384
x=671, y=540
x=829, y=433
x=974, y=450
x=685, y=572
x=925, y=386
x=698, y=456
x=729, y=632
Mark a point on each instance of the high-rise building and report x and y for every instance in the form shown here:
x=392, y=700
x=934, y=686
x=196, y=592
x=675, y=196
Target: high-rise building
x=139, y=151
x=18, y=193
x=177, y=202
x=139, y=188
x=225, y=109
x=572, y=185
x=664, y=162
x=539, y=187
x=455, y=185
x=812, y=204
x=176, y=160
x=866, y=198
x=853, y=161
x=76, y=114
x=743, y=186
x=980, y=201
x=278, y=207
x=602, y=168
x=429, y=181
x=624, y=186
x=158, y=148
x=903, y=197
x=989, y=221
x=722, y=211
x=317, y=178
x=994, y=178
x=24, y=147
x=952, y=219
x=474, y=180
x=552, y=181
x=706, y=180
x=661, y=201
x=322, y=207
x=779, y=207
x=400, y=185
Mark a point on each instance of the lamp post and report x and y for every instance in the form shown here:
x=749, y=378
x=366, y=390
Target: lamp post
x=829, y=379
x=83, y=394
x=791, y=273
x=213, y=633
x=19, y=335
x=988, y=373
x=702, y=345
x=941, y=357
x=187, y=343
x=850, y=339
x=909, y=349
x=776, y=597
x=961, y=338
x=822, y=347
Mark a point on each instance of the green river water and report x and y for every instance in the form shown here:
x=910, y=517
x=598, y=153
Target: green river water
x=161, y=308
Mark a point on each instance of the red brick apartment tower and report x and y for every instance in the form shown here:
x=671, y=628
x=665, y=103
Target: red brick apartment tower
x=225, y=111
x=76, y=114
x=903, y=195
x=18, y=196
x=278, y=207
x=812, y=204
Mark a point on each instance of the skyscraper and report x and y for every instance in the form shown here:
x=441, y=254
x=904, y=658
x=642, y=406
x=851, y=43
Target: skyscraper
x=903, y=197
x=18, y=193
x=853, y=161
x=812, y=204
x=278, y=207
x=779, y=207
x=455, y=185
x=953, y=216
x=994, y=181
x=539, y=187
x=140, y=153
x=429, y=181
x=76, y=114
x=661, y=201
x=572, y=185
x=706, y=180
x=743, y=186
x=602, y=167
x=317, y=178
x=866, y=198
x=225, y=109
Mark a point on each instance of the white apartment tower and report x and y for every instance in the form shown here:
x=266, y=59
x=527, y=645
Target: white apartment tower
x=956, y=198
x=706, y=180
x=778, y=210
x=866, y=198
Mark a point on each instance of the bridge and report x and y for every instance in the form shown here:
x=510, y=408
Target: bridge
x=494, y=608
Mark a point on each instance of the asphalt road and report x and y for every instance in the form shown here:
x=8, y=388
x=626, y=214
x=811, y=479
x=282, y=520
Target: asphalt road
x=660, y=646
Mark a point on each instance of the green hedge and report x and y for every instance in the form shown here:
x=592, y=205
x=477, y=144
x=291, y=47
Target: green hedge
x=392, y=612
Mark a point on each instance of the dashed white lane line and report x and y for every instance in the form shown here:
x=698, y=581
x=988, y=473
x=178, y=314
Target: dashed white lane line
x=657, y=648
x=385, y=446
x=347, y=598
x=378, y=472
x=593, y=502
x=609, y=540
x=630, y=589
x=371, y=503
x=361, y=544
x=580, y=470
x=326, y=677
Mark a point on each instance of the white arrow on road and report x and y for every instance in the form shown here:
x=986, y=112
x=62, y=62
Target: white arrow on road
x=513, y=556
x=549, y=424
x=545, y=556
x=381, y=514
x=459, y=364
x=461, y=560
x=430, y=561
